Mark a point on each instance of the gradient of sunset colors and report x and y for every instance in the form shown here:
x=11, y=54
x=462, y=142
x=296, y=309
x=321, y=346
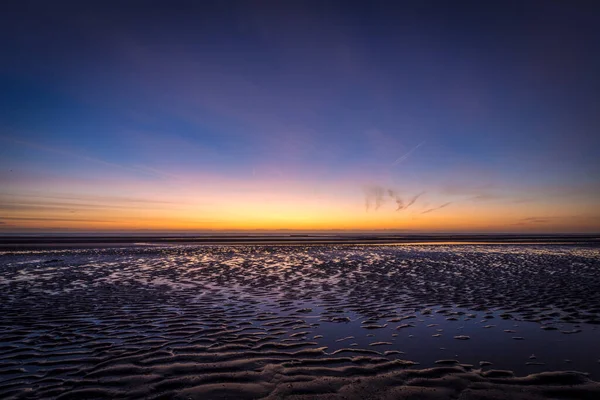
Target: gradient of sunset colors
x=250, y=115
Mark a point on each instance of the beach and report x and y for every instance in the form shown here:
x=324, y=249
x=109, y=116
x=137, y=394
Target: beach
x=301, y=321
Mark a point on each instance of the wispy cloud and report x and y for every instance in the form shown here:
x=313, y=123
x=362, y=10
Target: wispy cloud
x=97, y=198
x=376, y=196
x=414, y=199
x=437, y=208
x=139, y=169
x=407, y=154
x=534, y=220
x=31, y=202
x=60, y=219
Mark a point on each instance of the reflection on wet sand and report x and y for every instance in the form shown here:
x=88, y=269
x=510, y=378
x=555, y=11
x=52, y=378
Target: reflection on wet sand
x=347, y=321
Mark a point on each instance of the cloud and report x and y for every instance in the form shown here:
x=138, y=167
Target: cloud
x=536, y=219
x=414, y=199
x=54, y=219
x=407, y=154
x=397, y=199
x=437, y=208
x=376, y=195
x=78, y=155
x=486, y=197
x=533, y=220
x=23, y=204
x=96, y=198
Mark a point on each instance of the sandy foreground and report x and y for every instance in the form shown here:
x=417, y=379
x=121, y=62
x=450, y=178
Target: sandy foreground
x=305, y=321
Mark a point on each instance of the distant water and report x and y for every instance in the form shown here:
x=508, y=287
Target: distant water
x=135, y=321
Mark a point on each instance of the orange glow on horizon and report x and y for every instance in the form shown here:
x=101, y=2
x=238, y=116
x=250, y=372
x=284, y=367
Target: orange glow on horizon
x=307, y=214
x=197, y=203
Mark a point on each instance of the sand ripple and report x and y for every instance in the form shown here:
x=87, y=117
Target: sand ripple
x=284, y=321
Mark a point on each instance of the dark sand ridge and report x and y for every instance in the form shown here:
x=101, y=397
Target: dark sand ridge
x=32, y=242
x=297, y=321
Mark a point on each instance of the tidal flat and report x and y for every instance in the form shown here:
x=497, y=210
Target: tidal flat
x=301, y=321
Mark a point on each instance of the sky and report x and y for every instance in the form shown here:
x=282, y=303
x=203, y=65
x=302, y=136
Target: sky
x=417, y=116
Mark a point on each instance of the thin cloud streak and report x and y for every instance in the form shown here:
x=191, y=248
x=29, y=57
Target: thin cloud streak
x=53, y=150
x=413, y=200
x=406, y=155
x=60, y=219
x=437, y=208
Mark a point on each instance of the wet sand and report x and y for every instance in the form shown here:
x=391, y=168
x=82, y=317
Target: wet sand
x=33, y=242
x=301, y=322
